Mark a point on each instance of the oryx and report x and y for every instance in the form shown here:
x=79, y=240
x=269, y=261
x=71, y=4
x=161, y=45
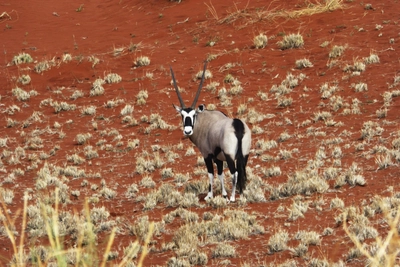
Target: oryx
x=219, y=138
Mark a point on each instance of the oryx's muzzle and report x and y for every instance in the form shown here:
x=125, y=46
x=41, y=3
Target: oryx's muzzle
x=188, y=130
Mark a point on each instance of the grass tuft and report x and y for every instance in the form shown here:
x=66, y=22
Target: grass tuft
x=260, y=41
x=293, y=40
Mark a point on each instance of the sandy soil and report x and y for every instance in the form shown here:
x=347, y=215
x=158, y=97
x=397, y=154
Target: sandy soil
x=106, y=37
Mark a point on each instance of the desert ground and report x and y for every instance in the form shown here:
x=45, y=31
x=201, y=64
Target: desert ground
x=94, y=167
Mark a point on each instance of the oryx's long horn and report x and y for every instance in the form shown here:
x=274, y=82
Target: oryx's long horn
x=176, y=89
x=200, y=86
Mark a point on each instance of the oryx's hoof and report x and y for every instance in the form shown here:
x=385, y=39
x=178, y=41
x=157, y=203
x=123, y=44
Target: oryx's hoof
x=208, y=197
x=232, y=199
x=226, y=198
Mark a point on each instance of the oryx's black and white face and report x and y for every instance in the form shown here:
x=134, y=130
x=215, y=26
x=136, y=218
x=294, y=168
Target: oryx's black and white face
x=188, y=114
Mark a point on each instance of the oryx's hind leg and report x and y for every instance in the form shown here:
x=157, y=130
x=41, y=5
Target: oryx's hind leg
x=232, y=170
x=220, y=166
x=210, y=170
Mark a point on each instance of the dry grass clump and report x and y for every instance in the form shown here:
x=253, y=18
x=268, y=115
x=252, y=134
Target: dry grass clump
x=75, y=159
x=303, y=63
x=371, y=129
x=384, y=161
x=372, y=59
x=83, y=138
x=113, y=103
x=112, y=78
x=304, y=182
x=43, y=66
x=278, y=241
x=66, y=57
x=264, y=145
x=156, y=122
x=207, y=74
x=21, y=58
x=3, y=142
x=381, y=113
x=223, y=250
x=351, y=176
x=7, y=195
x=127, y=110
x=181, y=178
x=21, y=94
x=89, y=110
x=236, y=87
x=148, y=162
x=272, y=171
x=360, y=87
x=327, y=91
x=141, y=97
x=97, y=87
x=231, y=225
x=170, y=197
x=293, y=40
x=336, y=51
x=284, y=101
x=308, y=238
x=90, y=153
x=93, y=59
x=24, y=79
x=142, y=61
x=217, y=202
x=62, y=106
x=355, y=69
x=77, y=94
x=297, y=209
x=322, y=116
x=260, y=41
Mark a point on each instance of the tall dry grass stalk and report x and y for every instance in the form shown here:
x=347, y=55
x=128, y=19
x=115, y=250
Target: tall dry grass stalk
x=387, y=249
x=9, y=224
x=85, y=255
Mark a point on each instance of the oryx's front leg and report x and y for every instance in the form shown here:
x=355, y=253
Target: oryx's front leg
x=210, y=170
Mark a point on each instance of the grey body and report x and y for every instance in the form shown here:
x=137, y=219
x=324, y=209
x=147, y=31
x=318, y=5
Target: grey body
x=213, y=132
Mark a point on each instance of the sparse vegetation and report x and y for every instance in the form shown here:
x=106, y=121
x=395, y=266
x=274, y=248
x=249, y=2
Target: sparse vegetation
x=88, y=159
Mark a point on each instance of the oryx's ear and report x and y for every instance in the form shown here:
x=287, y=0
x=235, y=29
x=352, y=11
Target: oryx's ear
x=201, y=108
x=179, y=109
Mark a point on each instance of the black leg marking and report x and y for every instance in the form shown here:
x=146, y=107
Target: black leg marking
x=231, y=164
x=220, y=166
x=210, y=169
x=209, y=163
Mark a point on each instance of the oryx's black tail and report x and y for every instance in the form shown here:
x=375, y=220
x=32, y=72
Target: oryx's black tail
x=241, y=161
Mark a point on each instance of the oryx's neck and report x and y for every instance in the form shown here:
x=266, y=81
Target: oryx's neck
x=198, y=130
